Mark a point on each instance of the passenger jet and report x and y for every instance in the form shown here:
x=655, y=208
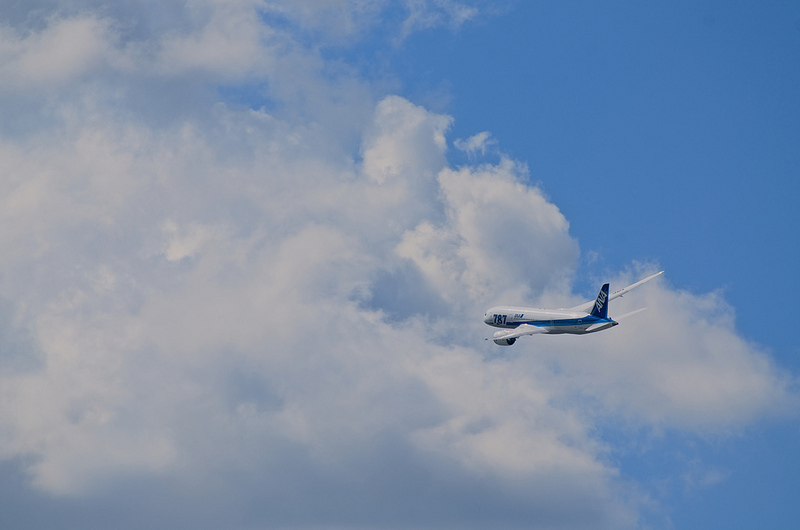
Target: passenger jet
x=579, y=320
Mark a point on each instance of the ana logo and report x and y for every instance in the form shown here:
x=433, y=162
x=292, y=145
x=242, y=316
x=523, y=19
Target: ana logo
x=601, y=301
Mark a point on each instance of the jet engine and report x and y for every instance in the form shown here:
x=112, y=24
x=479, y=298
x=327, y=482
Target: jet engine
x=500, y=341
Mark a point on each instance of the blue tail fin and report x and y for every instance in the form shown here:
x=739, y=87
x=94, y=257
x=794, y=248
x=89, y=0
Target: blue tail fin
x=600, y=308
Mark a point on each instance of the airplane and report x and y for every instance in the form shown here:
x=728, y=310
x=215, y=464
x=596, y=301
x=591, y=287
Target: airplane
x=589, y=317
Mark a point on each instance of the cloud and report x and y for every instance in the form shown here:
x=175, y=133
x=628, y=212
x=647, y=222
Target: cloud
x=341, y=21
x=475, y=144
x=427, y=14
x=63, y=51
x=272, y=316
x=225, y=38
x=501, y=238
x=205, y=40
x=681, y=365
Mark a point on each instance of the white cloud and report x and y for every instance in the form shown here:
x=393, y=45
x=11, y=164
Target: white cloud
x=408, y=144
x=427, y=14
x=342, y=20
x=184, y=243
x=226, y=38
x=502, y=239
x=63, y=51
x=211, y=302
x=336, y=19
x=680, y=365
x=476, y=143
x=221, y=40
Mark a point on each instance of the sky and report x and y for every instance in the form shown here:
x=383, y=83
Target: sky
x=248, y=244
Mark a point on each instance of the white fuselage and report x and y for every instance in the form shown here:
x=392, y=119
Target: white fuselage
x=588, y=317
x=552, y=321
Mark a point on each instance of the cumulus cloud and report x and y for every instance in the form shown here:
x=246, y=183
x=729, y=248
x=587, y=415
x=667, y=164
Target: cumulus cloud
x=681, y=365
x=491, y=246
x=233, y=308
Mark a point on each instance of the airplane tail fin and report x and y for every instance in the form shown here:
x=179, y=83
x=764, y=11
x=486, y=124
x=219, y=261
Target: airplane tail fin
x=600, y=308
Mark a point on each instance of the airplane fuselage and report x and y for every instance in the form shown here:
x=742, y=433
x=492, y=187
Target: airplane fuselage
x=588, y=317
x=551, y=321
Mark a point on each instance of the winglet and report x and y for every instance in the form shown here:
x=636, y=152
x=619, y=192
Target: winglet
x=600, y=308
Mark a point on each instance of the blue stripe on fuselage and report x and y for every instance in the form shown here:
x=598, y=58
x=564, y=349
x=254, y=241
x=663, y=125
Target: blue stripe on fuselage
x=584, y=321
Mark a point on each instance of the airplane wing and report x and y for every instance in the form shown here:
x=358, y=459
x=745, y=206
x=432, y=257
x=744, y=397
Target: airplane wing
x=519, y=331
x=616, y=294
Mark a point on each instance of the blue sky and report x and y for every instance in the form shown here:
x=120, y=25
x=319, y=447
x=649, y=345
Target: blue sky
x=681, y=119
x=247, y=247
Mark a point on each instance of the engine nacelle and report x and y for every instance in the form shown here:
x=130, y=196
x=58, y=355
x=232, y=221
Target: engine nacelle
x=500, y=341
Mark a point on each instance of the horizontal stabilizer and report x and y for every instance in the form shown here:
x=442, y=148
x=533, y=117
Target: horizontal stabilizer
x=600, y=326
